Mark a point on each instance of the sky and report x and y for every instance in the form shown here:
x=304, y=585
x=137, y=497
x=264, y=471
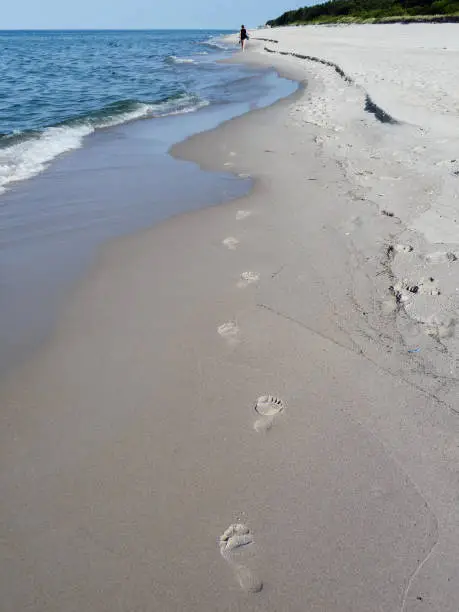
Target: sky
x=147, y=14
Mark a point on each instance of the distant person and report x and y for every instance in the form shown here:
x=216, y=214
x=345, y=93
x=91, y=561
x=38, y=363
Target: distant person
x=243, y=36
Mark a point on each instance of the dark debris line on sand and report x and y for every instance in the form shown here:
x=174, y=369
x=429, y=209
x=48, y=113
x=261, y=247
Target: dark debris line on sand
x=370, y=106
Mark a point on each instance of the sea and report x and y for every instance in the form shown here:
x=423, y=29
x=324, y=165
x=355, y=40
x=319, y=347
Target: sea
x=86, y=122
x=59, y=87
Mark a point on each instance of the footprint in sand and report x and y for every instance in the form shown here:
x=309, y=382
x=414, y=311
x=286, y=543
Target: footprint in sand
x=440, y=327
x=353, y=223
x=229, y=331
x=242, y=214
x=403, y=248
x=247, y=278
x=426, y=286
x=389, y=306
x=230, y=243
x=392, y=249
x=441, y=257
x=236, y=548
x=268, y=407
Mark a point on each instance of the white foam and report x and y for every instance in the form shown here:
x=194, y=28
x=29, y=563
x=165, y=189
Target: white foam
x=182, y=60
x=218, y=43
x=142, y=110
x=186, y=104
x=28, y=158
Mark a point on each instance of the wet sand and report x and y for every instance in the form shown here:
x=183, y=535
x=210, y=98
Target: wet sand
x=143, y=466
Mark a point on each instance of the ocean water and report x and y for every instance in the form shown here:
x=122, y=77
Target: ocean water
x=59, y=87
x=86, y=123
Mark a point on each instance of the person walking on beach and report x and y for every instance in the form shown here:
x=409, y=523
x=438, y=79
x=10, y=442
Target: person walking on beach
x=243, y=37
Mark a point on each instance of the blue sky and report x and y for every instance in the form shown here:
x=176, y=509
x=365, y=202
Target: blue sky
x=224, y=14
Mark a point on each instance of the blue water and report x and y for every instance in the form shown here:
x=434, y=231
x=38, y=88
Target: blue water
x=58, y=87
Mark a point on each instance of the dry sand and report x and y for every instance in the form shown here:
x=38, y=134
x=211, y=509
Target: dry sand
x=139, y=471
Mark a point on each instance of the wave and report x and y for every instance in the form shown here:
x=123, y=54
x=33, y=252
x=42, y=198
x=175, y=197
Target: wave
x=217, y=43
x=173, y=59
x=26, y=154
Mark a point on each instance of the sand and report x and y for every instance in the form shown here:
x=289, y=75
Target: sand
x=229, y=415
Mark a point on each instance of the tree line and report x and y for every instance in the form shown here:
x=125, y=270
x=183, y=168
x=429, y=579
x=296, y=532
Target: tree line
x=360, y=10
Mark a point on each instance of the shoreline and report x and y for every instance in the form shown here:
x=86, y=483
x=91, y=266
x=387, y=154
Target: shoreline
x=179, y=149
x=119, y=182
x=134, y=439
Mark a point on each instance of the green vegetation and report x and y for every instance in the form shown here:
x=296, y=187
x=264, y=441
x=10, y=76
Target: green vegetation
x=351, y=11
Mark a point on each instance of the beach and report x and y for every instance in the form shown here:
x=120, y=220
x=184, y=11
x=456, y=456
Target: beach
x=253, y=406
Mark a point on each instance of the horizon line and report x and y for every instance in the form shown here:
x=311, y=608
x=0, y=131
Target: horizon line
x=113, y=29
